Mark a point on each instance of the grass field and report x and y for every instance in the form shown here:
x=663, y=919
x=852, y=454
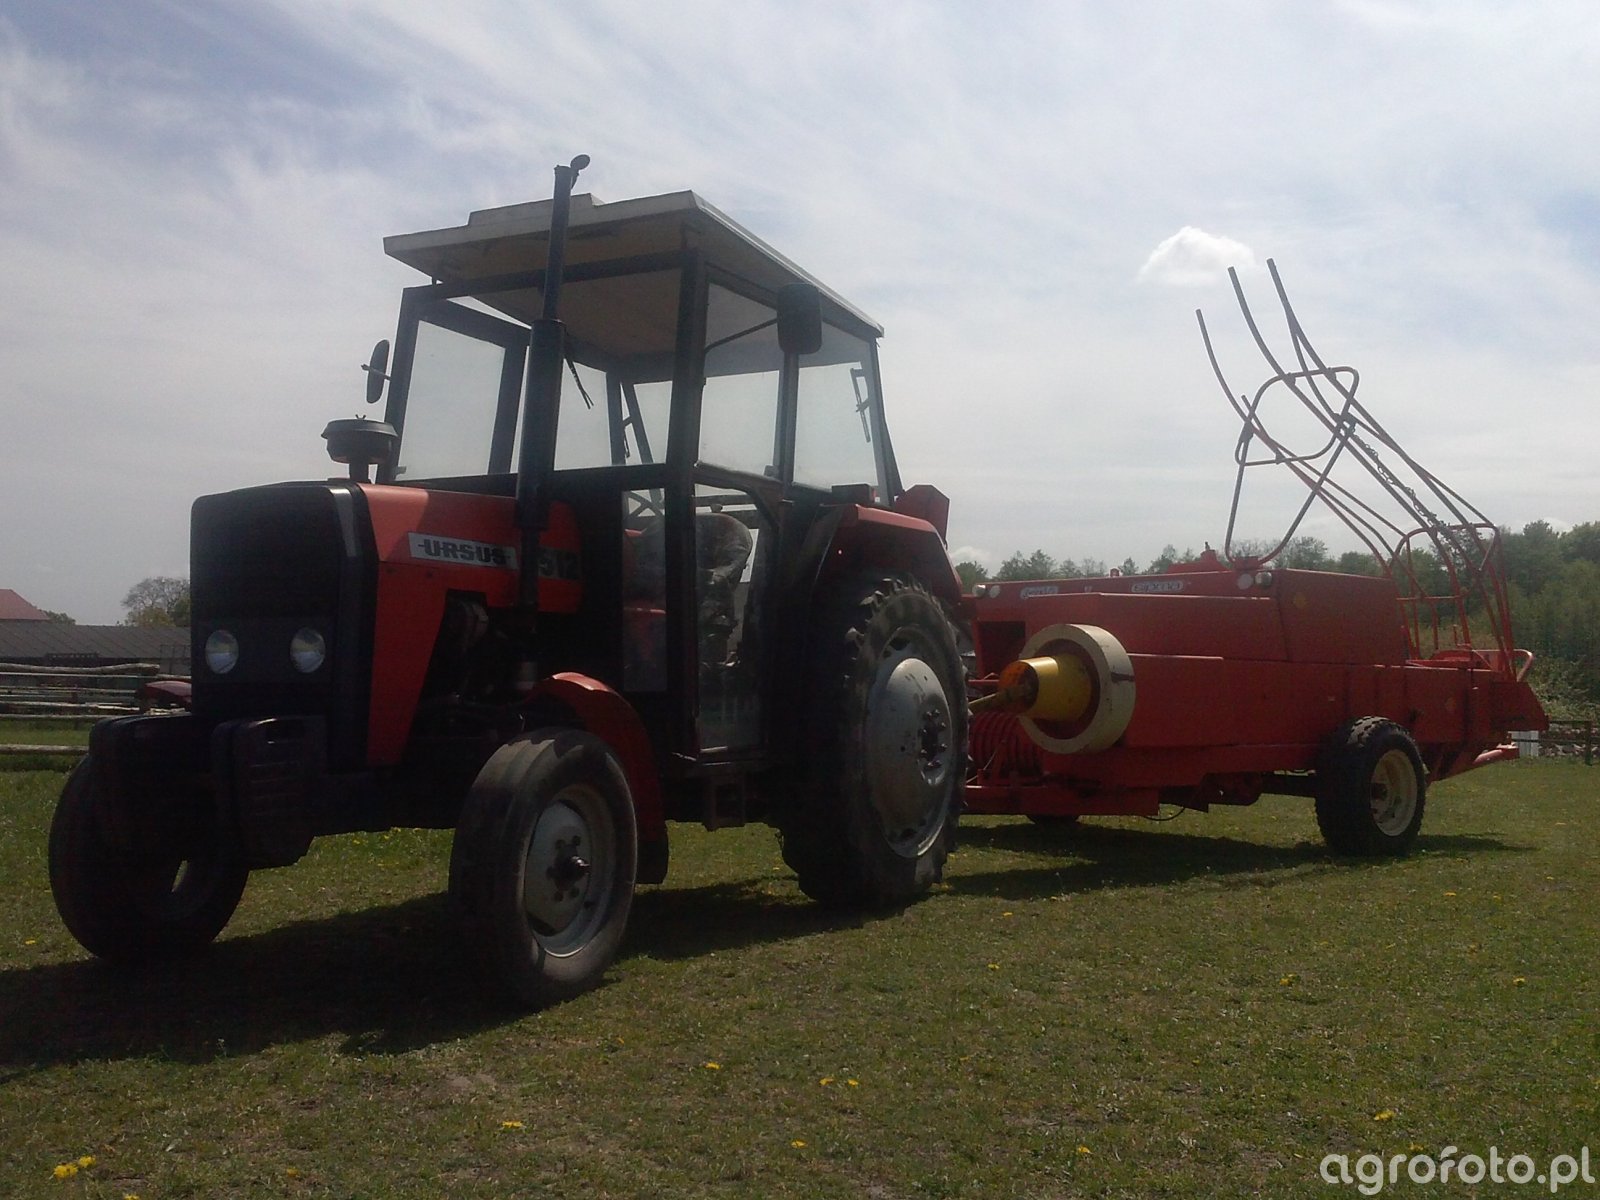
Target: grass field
x=1204, y=1007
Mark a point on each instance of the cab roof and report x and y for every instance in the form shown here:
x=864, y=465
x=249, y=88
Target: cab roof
x=501, y=241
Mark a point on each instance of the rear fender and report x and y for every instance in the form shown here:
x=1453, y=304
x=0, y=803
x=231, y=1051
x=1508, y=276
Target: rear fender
x=606, y=714
x=871, y=539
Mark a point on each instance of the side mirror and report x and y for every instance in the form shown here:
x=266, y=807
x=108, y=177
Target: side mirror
x=799, y=319
x=376, y=368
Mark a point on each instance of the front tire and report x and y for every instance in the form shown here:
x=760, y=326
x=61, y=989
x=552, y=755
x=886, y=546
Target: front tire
x=544, y=863
x=164, y=889
x=1371, y=789
x=874, y=819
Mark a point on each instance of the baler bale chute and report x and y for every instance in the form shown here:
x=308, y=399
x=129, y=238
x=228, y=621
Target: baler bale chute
x=1229, y=677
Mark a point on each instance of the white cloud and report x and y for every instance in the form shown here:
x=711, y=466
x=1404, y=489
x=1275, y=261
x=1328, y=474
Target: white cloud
x=1194, y=258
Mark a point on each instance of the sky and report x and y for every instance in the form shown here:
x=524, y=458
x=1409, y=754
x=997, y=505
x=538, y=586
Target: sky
x=1032, y=198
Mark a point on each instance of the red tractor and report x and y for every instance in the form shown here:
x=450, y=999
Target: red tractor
x=636, y=550
x=1227, y=678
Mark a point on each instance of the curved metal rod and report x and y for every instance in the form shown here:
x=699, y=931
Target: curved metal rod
x=1460, y=541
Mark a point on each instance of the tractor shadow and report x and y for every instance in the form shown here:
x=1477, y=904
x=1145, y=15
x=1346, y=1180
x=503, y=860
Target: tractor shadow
x=684, y=923
x=387, y=979
x=1088, y=857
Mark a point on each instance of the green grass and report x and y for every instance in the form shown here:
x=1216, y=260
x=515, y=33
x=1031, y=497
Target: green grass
x=1202, y=1007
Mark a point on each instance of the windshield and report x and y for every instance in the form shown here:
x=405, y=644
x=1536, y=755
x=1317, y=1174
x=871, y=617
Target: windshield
x=836, y=428
x=459, y=413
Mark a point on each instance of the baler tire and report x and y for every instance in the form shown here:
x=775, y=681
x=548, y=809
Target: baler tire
x=873, y=816
x=547, y=802
x=1371, y=789
x=127, y=908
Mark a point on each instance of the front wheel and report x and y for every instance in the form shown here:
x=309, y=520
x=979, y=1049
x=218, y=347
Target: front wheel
x=874, y=817
x=1371, y=789
x=544, y=863
x=164, y=888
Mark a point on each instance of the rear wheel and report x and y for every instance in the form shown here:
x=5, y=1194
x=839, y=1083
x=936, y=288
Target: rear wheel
x=544, y=862
x=163, y=888
x=1371, y=789
x=875, y=816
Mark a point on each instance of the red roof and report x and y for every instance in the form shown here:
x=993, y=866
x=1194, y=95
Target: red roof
x=14, y=608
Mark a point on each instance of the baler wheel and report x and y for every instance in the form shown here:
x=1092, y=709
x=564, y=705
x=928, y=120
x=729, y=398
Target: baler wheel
x=1371, y=789
x=544, y=862
x=873, y=817
x=128, y=906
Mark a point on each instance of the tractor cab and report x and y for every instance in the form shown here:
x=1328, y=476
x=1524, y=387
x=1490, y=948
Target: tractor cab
x=715, y=405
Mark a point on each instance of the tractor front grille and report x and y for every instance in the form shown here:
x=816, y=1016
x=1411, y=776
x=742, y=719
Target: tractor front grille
x=266, y=563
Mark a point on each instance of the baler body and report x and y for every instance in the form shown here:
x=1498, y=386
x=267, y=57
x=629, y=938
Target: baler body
x=1238, y=681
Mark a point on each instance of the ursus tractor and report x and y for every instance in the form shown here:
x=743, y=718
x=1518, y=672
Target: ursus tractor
x=628, y=546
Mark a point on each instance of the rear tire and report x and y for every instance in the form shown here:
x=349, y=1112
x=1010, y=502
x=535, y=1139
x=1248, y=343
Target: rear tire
x=166, y=898
x=544, y=863
x=1371, y=789
x=874, y=817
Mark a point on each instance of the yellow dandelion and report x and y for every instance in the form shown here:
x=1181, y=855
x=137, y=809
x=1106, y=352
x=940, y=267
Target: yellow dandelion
x=292, y=1172
x=510, y=1124
x=713, y=1066
x=798, y=1144
x=1286, y=980
x=1383, y=1114
x=1084, y=1150
x=1006, y=914
x=65, y=1170
x=994, y=966
x=1449, y=893
x=130, y=1196
x=1519, y=980
x=86, y=1161
x=825, y=1080
x=30, y=941
x=853, y=1082
x=1416, y=1147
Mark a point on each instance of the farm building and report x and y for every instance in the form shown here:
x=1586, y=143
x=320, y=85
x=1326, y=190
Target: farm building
x=28, y=637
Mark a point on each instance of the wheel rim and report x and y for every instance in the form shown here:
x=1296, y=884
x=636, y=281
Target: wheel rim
x=909, y=750
x=568, y=874
x=1394, y=793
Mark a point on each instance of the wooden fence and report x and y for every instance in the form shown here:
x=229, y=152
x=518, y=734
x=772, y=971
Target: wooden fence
x=72, y=696
x=1571, y=738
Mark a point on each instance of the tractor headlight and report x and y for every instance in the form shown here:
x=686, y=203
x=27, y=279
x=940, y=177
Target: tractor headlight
x=308, y=650
x=222, y=651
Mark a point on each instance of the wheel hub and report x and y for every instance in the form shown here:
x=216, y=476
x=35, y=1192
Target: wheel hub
x=1394, y=793
x=909, y=751
x=559, y=868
